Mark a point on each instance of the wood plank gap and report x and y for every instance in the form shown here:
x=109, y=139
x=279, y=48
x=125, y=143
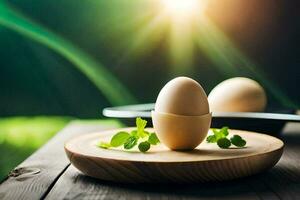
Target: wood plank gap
x=54, y=182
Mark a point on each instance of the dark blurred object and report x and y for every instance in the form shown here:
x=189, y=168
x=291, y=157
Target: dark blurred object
x=270, y=123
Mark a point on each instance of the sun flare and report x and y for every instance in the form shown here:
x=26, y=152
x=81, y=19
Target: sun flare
x=180, y=5
x=183, y=17
x=183, y=7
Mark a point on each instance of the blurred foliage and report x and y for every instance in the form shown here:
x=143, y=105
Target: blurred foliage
x=113, y=90
x=21, y=136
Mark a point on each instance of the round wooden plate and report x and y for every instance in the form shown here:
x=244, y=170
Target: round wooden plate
x=205, y=163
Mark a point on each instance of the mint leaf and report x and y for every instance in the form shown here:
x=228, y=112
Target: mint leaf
x=130, y=142
x=104, y=145
x=153, y=139
x=134, y=133
x=211, y=139
x=119, y=139
x=238, y=141
x=140, y=125
x=224, y=131
x=220, y=133
x=220, y=137
x=236, y=137
x=224, y=143
x=144, y=146
x=146, y=132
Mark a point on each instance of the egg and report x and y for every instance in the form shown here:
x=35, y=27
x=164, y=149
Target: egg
x=181, y=117
x=182, y=96
x=238, y=94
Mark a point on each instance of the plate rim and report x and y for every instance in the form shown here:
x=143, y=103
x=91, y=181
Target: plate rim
x=124, y=112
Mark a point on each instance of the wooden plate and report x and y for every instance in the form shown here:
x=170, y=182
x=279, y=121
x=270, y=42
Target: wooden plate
x=206, y=163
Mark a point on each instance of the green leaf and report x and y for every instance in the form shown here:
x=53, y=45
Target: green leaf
x=224, y=143
x=211, y=139
x=140, y=125
x=224, y=131
x=144, y=146
x=134, y=133
x=238, y=141
x=130, y=142
x=104, y=145
x=220, y=133
x=147, y=133
x=236, y=137
x=220, y=136
x=153, y=139
x=119, y=139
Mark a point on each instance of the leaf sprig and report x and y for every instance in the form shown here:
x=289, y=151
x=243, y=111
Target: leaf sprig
x=140, y=136
x=220, y=137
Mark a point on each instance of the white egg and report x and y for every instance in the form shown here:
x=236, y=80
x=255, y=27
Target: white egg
x=238, y=95
x=181, y=117
x=182, y=96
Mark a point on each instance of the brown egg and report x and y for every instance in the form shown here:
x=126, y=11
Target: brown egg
x=181, y=117
x=238, y=95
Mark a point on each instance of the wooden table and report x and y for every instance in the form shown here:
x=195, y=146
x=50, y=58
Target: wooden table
x=47, y=174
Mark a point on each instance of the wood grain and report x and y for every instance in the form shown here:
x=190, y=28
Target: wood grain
x=75, y=185
x=206, y=163
x=33, y=178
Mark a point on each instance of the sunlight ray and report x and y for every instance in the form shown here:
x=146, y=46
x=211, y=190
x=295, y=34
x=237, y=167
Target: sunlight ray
x=146, y=38
x=183, y=16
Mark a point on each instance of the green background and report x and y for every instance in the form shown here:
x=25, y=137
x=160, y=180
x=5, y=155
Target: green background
x=35, y=79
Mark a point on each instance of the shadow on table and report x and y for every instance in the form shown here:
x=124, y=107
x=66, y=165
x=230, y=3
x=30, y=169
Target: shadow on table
x=292, y=140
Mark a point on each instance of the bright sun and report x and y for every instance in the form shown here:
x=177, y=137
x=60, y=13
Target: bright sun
x=184, y=17
x=181, y=7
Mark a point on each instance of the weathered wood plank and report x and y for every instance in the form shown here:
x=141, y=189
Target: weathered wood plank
x=284, y=180
x=36, y=175
x=74, y=185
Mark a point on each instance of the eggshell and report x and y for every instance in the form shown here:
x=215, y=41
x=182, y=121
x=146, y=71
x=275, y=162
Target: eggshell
x=181, y=118
x=182, y=96
x=237, y=95
x=180, y=132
